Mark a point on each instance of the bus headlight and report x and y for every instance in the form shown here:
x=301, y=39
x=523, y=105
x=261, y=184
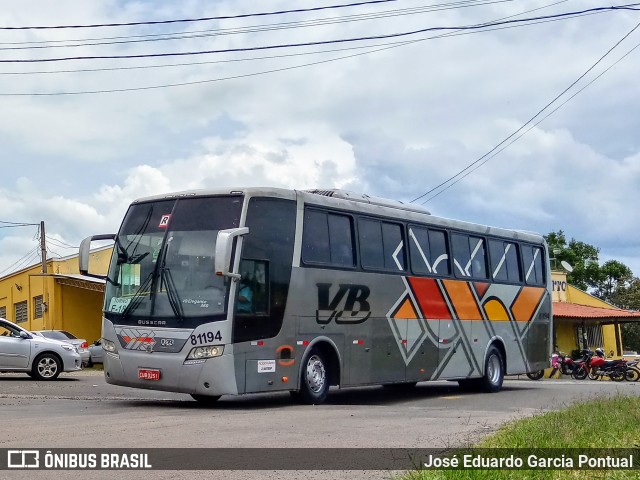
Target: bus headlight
x=202, y=353
x=108, y=346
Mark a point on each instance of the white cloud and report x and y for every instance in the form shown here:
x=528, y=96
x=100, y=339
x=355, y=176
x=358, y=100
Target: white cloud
x=394, y=123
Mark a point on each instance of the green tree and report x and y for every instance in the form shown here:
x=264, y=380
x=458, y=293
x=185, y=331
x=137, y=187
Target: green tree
x=631, y=336
x=628, y=296
x=612, y=282
x=613, y=279
x=581, y=256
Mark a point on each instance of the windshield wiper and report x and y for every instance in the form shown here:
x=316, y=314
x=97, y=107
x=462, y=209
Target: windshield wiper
x=125, y=258
x=172, y=294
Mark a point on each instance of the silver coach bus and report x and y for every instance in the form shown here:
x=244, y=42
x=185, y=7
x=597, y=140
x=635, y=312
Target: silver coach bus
x=226, y=292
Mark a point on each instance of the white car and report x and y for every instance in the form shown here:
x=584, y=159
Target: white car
x=38, y=357
x=97, y=353
x=66, y=337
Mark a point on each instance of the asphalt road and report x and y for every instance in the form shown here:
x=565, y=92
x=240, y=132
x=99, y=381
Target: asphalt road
x=80, y=410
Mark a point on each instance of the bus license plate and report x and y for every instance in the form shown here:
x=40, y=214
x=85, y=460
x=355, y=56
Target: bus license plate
x=145, y=374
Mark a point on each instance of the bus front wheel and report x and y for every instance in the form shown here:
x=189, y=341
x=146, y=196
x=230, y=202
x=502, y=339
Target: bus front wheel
x=314, y=379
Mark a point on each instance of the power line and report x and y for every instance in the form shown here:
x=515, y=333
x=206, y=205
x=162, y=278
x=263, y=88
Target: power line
x=60, y=243
x=535, y=124
x=50, y=250
x=271, y=57
x=249, y=29
x=4, y=224
x=19, y=224
x=30, y=254
x=321, y=42
x=459, y=176
x=200, y=19
x=188, y=64
x=235, y=77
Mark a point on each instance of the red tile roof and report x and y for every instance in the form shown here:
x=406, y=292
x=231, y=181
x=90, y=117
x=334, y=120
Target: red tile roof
x=572, y=310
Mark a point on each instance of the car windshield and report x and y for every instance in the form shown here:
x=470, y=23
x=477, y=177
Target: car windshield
x=54, y=335
x=163, y=262
x=7, y=330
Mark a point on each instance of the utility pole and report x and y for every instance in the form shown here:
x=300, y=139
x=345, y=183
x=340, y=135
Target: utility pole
x=43, y=248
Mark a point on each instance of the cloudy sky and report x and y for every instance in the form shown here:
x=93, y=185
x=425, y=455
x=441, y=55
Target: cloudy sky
x=391, y=122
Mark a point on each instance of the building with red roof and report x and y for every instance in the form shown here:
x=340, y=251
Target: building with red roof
x=584, y=321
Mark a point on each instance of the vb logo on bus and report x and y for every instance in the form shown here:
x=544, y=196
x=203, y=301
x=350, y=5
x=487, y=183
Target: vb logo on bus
x=347, y=305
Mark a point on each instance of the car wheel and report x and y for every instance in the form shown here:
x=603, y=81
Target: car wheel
x=46, y=367
x=206, y=399
x=314, y=381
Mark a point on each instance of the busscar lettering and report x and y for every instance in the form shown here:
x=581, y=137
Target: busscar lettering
x=348, y=305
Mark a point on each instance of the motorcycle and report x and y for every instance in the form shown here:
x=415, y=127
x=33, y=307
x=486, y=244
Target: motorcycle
x=581, y=367
x=561, y=362
x=616, y=370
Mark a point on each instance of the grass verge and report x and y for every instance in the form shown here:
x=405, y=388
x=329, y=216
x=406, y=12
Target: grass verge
x=602, y=423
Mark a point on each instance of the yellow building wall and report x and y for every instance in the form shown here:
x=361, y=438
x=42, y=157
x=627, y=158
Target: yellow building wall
x=23, y=287
x=81, y=313
x=566, y=338
x=77, y=310
x=98, y=263
x=575, y=295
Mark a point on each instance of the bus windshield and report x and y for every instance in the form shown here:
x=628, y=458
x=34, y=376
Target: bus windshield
x=162, y=268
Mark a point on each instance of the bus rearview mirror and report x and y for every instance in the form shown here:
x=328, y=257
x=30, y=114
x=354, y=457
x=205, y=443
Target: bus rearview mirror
x=224, y=251
x=85, y=250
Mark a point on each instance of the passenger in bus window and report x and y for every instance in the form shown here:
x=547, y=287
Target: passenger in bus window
x=245, y=296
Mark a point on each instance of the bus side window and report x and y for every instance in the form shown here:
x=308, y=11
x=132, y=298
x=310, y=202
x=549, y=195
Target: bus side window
x=532, y=259
x=505, y=261
x=381, y=245
x=341, y=240
x=469, y=256
x=439, y=252
x=327, y=239
x=315, y=238
x=252, y=292
x=428, y=250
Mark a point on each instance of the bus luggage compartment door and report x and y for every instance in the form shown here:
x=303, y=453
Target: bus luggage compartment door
x=268, y=375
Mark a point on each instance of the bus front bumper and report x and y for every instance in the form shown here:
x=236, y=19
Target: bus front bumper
x=158, y=371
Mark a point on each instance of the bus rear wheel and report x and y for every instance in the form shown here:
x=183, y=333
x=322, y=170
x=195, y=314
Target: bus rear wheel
x=314, y=379
x=493, y=372
x=493, y=376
